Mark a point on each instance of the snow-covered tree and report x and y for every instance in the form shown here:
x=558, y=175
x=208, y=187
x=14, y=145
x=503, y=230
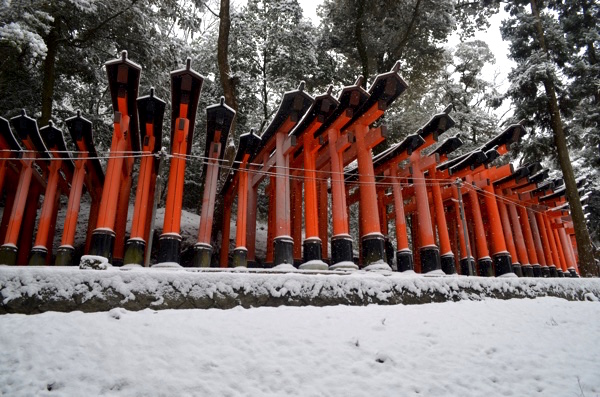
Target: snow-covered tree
x=545, y=53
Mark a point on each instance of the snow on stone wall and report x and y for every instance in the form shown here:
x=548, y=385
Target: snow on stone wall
x=35, y=290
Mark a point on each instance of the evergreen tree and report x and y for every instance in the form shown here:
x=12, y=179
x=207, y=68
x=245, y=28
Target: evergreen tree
x=540, y=92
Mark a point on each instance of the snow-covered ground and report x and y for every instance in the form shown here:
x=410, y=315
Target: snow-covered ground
x=541, y=347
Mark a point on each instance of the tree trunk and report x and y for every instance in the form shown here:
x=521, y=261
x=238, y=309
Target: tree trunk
x=360, y=45
x=49, y=73
x=587, y=267
x=228, y=83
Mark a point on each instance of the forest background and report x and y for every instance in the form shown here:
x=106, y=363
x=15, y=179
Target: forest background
x=252, y=52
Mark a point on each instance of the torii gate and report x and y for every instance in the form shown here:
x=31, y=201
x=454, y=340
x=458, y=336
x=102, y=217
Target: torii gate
x=219, y=119
x=17, y=240
x=276, y=145
x=108, y=238
x=60, y=161
x=151, y=112
x=186, y=85
x=87, y=172
x=238, y=179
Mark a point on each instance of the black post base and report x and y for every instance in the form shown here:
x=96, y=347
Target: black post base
x=169, y=248
x=527, y=271
x=537, y=271
x=559, y=273
x=117, y=262
x=283, y=250
x=517, y=269
x=253, y=265
x=64, y=256
x=404, y=260
x=373, y=249
x=202, y=255
x=134, y=252
x=448, y=264
x=467, y=266
x=486, y=268
x=553, y=272
x=341, y=249
x=103, y=241
x=8, y=255
x=37, y=257
x=430, y=259
x=573, y=273
x=545, y=271
x=502, y=263
x=240, y=257
x=311, y=250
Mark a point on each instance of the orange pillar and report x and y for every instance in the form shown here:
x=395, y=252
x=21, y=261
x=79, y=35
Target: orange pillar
x=283, y=244
x=508, y=238
x=251, y=226
x=429, y=253
x=404, y=257
x=529, y=243
x=312, y=244
x=484, y=261
x=64, y=254
x=240, y=253
x=341, y=241
x=39, y=251
x=186, y=85
x=467, y=262
x=546, y=247
x=372, y=240
x=224, y=259
x=446, y=256
x=553, y=245
x=123, y=80
x=8, y=251
x=537, y=241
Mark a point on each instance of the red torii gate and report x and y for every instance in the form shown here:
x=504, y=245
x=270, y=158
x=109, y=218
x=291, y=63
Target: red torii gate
x=108, y=239
x=186, y=85
x=19, y=216
x=151, y=113
x=60, y=161
x=87, y=173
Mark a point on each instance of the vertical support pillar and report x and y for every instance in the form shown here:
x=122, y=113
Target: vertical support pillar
x=508, y=237
x=39, y=252
x=528, y=236
x=283, y=244
x=312, y=245
x=296, y=218
x=251, y=226
x=372, y=240
x=8, y=250
x=467, y=262
x=546, y=248
x=447, y=256
x=120, y=227
x=324, y=216
x=553, y=246
x=404, y=257
x=500, y=254
x=270, y=222
x=519, y=239
x=484, y=261
x=224, y=260
x=429, y=252
x=64, y=254
x=203, y=248
x=341, y=241
x=26, y=235
x=240, y=253
x=537, y=241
